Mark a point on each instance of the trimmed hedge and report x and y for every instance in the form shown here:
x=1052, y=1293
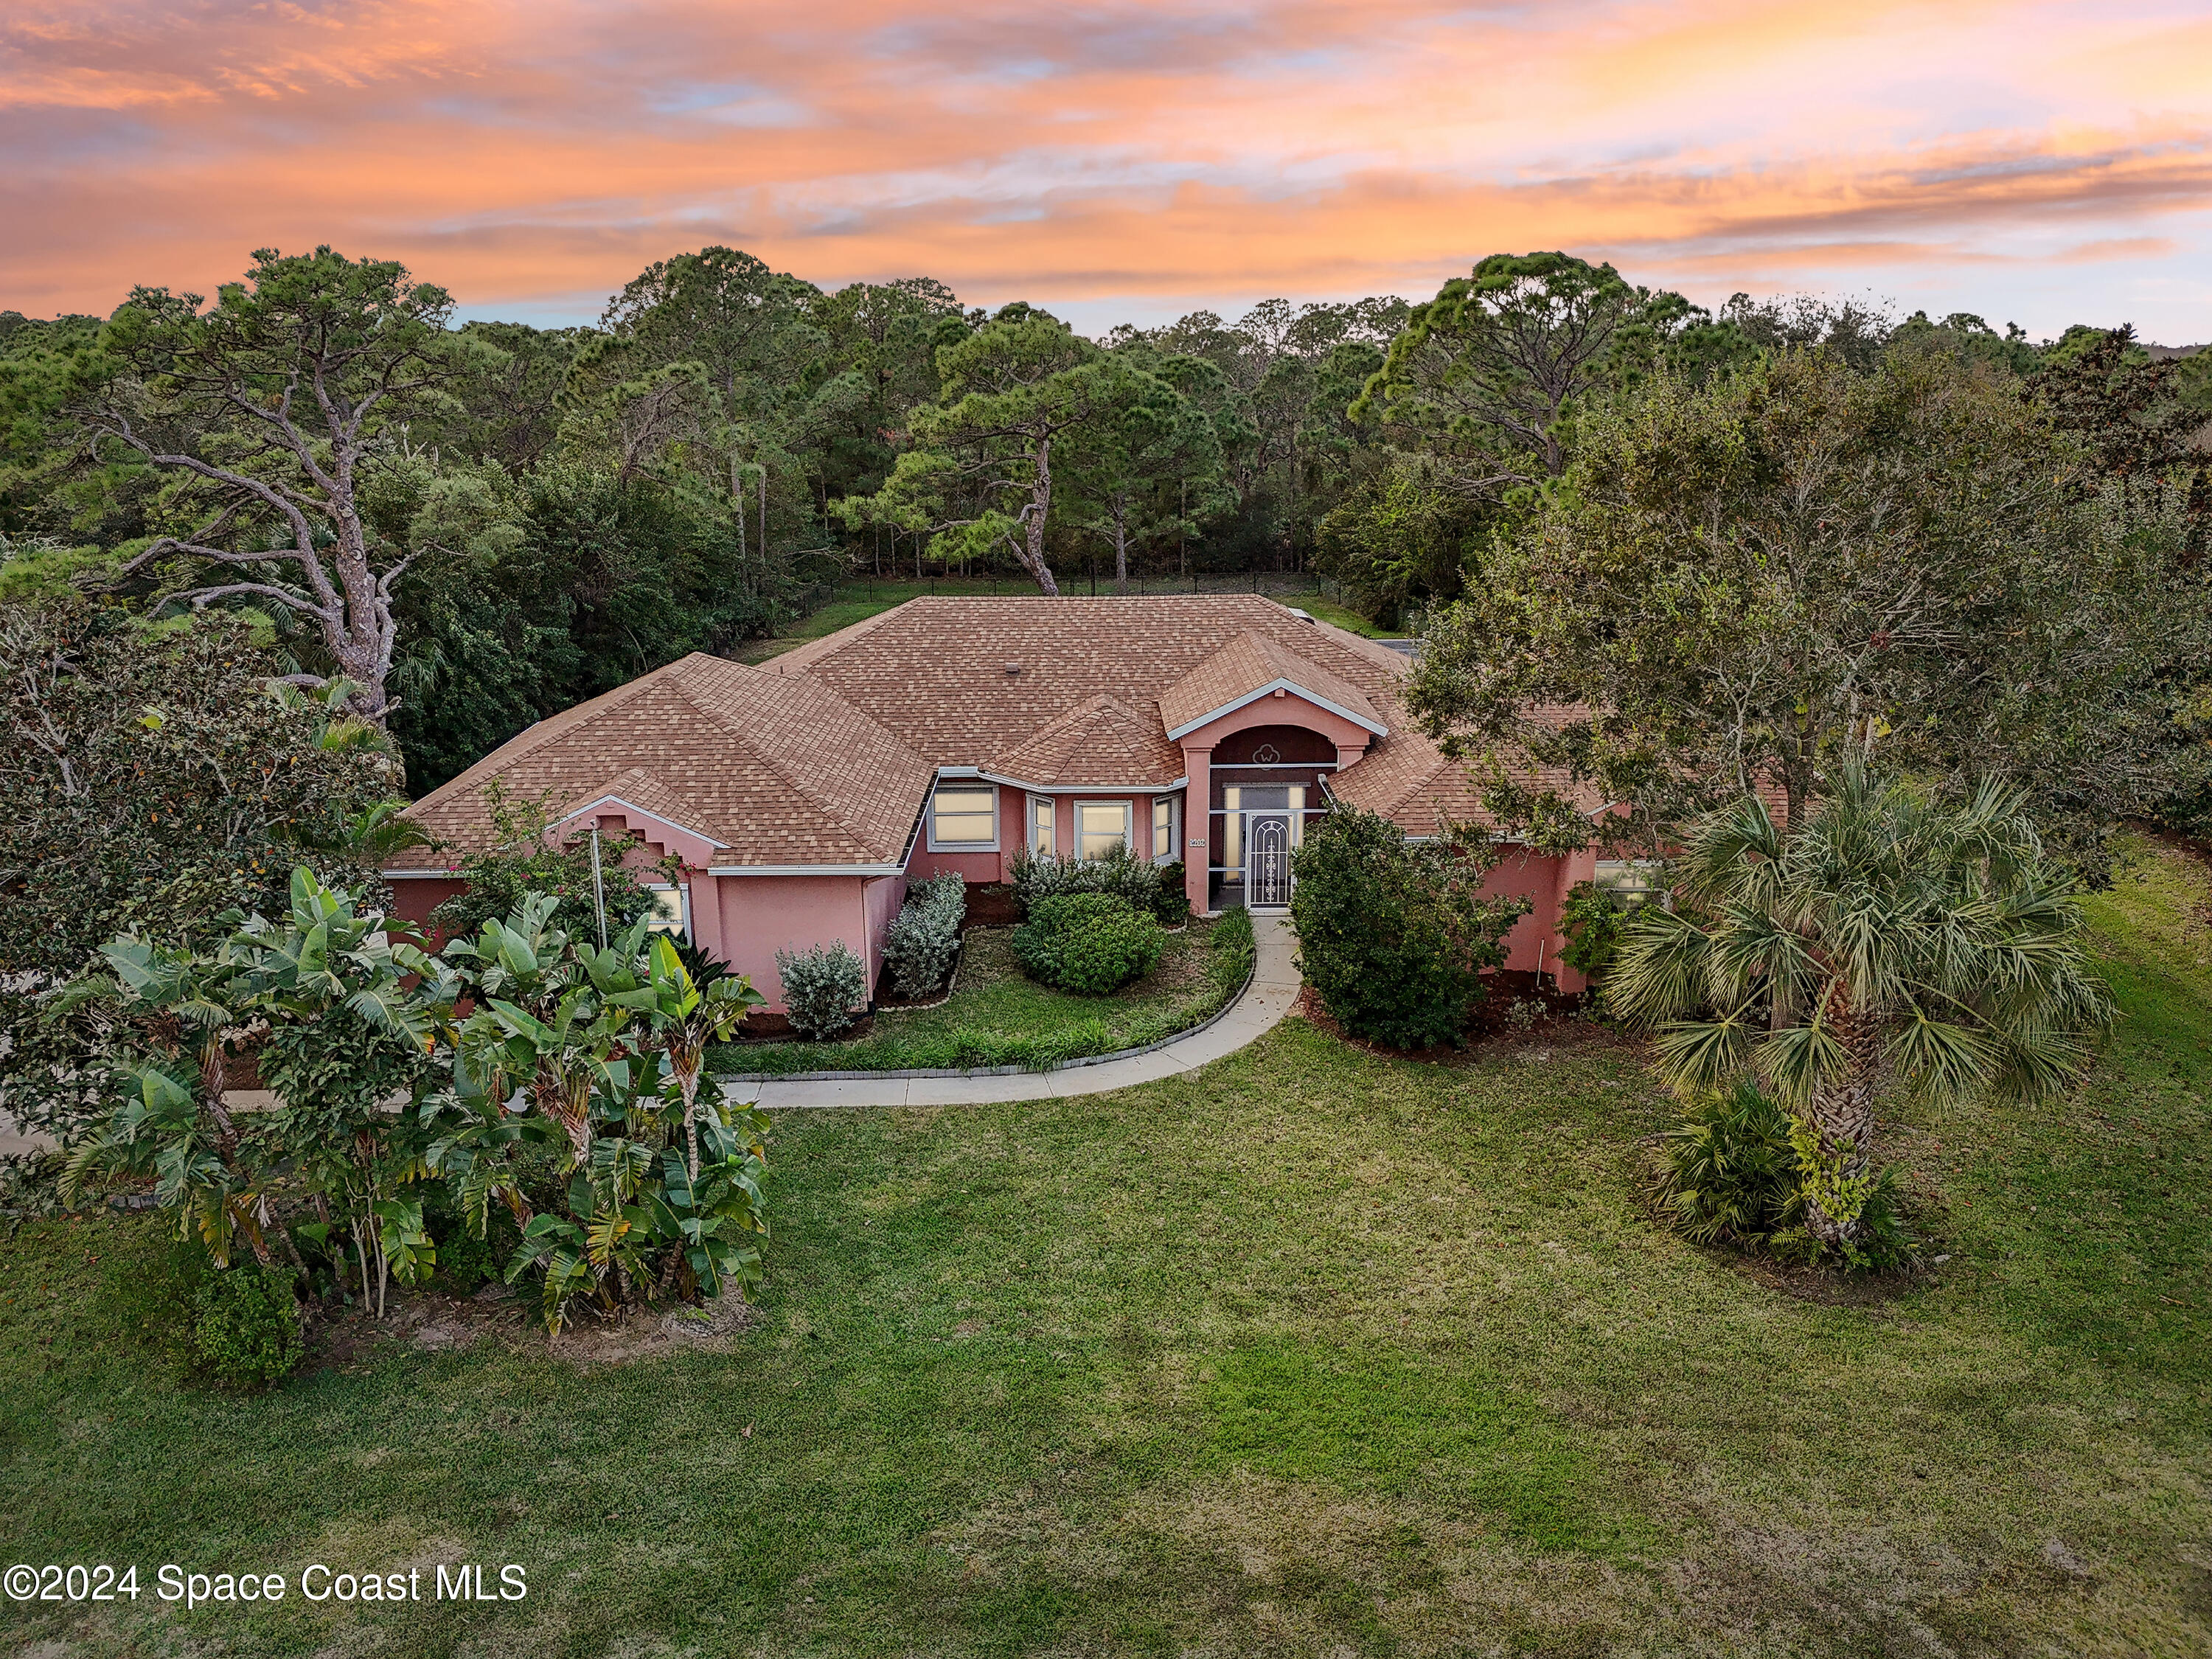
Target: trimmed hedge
x=1088, y=943
x=925, y=936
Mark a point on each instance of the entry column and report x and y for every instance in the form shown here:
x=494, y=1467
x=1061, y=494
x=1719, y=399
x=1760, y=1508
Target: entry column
x=1198, y=827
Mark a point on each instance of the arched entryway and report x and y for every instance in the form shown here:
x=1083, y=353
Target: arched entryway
x=1265, y=784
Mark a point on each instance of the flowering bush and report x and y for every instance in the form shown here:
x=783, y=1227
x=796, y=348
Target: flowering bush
x=824, y=988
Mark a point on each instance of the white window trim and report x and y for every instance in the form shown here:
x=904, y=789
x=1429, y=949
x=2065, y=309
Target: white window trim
x=1128, y=821
x=1169, y=851
x=973, y=786
x=1030, y=804
x=682, y=891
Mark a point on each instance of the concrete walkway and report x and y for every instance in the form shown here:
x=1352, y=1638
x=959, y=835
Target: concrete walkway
x=1273, y=989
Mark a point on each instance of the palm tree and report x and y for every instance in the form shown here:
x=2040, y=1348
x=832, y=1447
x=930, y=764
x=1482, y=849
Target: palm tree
x=1893, y=939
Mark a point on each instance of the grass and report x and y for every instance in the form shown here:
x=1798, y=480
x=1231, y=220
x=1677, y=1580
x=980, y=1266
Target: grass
x=1349, y=620
x=1311, y=1353
x=997, y=1016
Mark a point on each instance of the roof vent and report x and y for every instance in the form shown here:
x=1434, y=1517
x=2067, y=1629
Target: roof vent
x=1013, y=668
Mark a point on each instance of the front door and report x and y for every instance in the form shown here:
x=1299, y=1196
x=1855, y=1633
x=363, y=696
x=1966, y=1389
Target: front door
x=1268, y=876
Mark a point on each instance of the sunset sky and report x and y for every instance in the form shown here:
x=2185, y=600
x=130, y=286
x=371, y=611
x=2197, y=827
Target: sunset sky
x=2043, y=163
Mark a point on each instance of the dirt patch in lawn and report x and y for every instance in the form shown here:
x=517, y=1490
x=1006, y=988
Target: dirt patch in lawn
x=435, y=1323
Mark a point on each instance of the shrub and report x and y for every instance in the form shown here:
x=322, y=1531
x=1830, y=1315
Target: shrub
x=1734, y=1174
x=1592, y=918
x=245, y=1326
x=1172, y=907
x=1120, y=872
x=466, y=1262
x=925, y=936
x=1392, y=936
x=1088, y=943
x=1731, y=1174
x=824, y=988
x=521, y=861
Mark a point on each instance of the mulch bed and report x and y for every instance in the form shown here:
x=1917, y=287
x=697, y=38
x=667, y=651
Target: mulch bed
x=1487, y=1028
x=991, y=907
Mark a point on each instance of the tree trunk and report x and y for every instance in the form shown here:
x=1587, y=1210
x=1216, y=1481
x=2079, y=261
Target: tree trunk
x=1841, y=1120
x=1120, y=554
x=1032, y=550
x=686, y=1068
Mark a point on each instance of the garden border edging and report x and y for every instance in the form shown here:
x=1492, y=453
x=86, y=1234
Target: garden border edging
x=1188, y=1032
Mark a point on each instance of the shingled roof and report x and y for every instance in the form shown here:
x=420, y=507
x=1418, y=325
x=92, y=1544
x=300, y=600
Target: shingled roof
x=774, y=769
x=826, y=754
x=1099, y=742
x=1247, y=666
x=935, y=670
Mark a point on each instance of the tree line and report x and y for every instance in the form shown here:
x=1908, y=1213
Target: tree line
x=1746, y=543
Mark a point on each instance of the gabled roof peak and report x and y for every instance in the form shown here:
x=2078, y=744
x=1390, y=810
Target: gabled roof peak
x=1249, y=666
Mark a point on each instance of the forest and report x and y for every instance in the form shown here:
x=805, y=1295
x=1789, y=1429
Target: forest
x=506, y=519
x=273, y=564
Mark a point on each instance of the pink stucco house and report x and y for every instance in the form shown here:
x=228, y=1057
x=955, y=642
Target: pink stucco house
x=945, y=734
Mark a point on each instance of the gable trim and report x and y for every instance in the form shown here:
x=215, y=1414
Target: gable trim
x=1179, y=733
x=605, y=801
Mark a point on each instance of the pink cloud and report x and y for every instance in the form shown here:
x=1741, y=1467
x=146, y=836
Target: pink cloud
x=540, y=152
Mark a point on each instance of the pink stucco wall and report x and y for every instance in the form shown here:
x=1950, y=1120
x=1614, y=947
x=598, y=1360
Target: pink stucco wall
x=880, y=899
x=1013, y=835
x=1535, y=938
x=759, y=914
x=1284, y=708
x=414, y=898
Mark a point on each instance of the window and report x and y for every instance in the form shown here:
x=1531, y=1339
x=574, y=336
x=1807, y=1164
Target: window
x=965, y=819
x=667, y=910
x=1232, y=833
x=1101, y=826
x=1632, y=881
x=1164, y=831
x=1043, y=830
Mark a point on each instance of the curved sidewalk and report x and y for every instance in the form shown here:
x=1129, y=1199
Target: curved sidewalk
x=1273, y=989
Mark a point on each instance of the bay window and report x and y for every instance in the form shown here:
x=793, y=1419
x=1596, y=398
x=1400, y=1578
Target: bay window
x=1100, y=826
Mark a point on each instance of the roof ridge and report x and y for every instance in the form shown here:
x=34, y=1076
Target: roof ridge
x=535, y=736
x=836, y=813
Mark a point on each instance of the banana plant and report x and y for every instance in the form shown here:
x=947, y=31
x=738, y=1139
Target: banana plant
x=681, y=1018
x=604, y=1245
x=474, y=1141
x=355, y=1009
x=717, y=1212
x=159, y=1129
x=601, y=1048
x=185, y=1004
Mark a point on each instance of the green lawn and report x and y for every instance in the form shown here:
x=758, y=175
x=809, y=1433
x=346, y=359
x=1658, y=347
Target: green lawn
x=1349, y=620
x=1309, y=1353
x=997, y=1016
